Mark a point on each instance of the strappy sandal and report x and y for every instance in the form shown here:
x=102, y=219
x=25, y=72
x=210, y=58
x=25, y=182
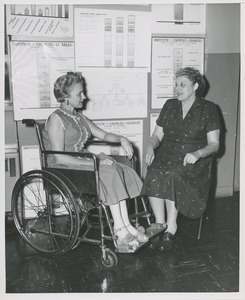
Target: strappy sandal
x=128, y=240
x=140, y=235
x=140, y=229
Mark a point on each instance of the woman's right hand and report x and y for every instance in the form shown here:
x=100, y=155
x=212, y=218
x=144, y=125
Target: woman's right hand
x=149, y=155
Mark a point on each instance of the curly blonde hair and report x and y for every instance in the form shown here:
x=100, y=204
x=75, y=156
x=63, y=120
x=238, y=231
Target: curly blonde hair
x=63, y=84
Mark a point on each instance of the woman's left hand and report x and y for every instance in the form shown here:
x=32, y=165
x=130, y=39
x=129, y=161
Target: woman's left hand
x=191, y=158
x=127, y=147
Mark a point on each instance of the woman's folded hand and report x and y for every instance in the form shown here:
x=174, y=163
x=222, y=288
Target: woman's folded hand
x=191, y=158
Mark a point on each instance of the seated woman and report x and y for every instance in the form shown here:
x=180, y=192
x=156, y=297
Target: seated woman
x=186, y=136
x=67, y=129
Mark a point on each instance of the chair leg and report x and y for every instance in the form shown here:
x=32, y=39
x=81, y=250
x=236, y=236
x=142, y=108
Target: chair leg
x=145, y=209
x=200, y=227
x=136, y=212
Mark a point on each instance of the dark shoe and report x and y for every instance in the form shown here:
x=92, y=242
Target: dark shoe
x=155, y=242
x=167, y=242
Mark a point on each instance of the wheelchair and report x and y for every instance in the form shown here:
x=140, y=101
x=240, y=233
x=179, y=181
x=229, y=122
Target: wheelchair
x=54, y=209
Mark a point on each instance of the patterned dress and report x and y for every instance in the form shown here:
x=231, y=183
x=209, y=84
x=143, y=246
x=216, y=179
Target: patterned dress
x=167, y=178
x=117, y=181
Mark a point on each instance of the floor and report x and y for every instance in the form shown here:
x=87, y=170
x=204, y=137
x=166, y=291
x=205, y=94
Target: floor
x=210, y=264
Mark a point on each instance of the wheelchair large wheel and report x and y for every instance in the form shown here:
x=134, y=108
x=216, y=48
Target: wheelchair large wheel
x=45, y=213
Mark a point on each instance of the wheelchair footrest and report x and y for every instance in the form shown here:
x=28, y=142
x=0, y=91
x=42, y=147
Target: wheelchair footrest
x=150, y=232
x=153, y=230
x=126, y=249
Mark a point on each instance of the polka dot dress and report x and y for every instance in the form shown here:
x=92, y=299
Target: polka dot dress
x=167, y=177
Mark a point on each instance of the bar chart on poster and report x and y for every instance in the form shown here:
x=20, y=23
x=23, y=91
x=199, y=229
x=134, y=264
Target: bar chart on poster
x=179, y=18
x=54, y=20
x=111, y=38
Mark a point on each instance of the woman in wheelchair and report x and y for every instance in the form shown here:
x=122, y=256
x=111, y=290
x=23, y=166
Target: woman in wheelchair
x=67, y=129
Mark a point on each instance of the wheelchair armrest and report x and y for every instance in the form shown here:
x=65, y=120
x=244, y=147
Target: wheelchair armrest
x=29, y=122
x=102, y=142
x=80, y=154
x=119, y=158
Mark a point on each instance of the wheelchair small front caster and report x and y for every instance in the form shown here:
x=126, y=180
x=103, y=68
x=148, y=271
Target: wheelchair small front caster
x=109, y=258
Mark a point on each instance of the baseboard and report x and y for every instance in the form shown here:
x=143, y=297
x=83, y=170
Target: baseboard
x=224, y=191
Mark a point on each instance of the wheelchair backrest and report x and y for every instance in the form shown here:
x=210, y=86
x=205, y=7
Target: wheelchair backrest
x=39, y=129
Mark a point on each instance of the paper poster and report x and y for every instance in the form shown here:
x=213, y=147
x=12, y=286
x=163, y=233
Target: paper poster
x=35, y=68
x=49, y=20
x=131, y=129
x=30, y=158
x=116, y=93
x=112, y=38
x=179, y=18
x=168, y=56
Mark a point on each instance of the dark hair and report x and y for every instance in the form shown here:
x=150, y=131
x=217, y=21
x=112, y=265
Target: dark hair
x=194, y=76
x=64, y=82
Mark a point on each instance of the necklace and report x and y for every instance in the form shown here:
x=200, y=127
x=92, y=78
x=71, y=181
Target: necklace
x=68, y=111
